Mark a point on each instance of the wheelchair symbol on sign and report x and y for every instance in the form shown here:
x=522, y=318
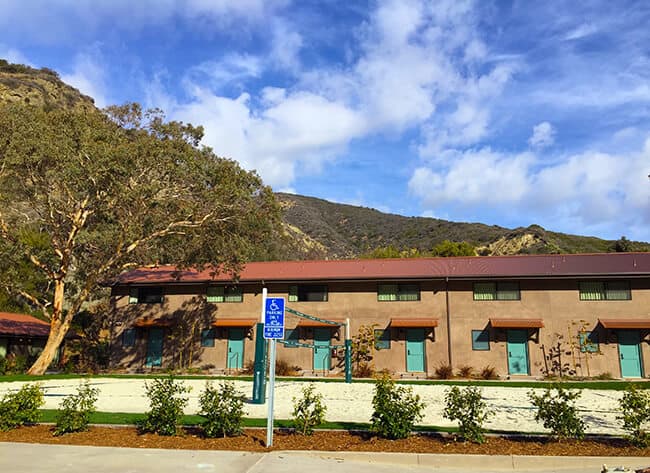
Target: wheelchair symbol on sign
x=274, y=306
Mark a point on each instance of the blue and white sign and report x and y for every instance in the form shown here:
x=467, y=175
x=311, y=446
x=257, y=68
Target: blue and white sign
x=274, y=318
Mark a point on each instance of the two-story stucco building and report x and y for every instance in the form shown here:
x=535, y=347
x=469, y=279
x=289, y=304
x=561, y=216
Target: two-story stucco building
x=507, y=312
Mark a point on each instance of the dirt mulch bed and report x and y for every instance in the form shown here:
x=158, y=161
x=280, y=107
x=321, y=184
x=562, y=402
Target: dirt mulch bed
x=254, y=439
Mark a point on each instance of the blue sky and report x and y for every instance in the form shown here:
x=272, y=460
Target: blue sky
x=506, y=113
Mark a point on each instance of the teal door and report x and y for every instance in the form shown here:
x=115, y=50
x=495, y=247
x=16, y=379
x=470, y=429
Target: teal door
x=517, y=347
x=322, y=338
x=235, y=348
x=629, y=354
x=415, y=349
x=154, y=347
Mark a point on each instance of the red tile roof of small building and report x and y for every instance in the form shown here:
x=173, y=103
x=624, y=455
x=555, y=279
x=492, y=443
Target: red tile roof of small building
x=575, y=265
x=22, y=325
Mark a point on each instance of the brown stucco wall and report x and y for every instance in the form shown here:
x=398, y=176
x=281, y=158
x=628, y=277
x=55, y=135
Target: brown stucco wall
x=556, y=302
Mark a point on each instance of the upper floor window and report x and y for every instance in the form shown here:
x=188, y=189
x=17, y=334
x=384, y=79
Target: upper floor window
x=605, y=291
x=588, y=342
x=128, y=337
x=308, y=293
x=207, y=337
x=496, y=291
x=146, y=295
x=398, y=292
x=224, y=294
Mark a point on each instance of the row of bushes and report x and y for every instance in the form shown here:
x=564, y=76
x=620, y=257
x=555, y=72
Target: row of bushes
x=395, y=410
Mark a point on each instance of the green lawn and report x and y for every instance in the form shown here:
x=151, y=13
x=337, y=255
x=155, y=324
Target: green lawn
x=606, y=385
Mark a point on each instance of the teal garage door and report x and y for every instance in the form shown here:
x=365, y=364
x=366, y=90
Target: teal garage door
x=322, y=338
x=629, y=353
x=154, y=347
x=517, y=346
x=235, y=348
x=415, y=350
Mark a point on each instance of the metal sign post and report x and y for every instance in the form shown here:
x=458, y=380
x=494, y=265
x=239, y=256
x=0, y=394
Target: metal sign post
x=259, y=366
x=273, y=330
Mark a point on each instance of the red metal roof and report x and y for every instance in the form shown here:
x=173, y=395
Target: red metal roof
x=625, y=323
x=22, y=325
x=516, y=323
x=582, y=265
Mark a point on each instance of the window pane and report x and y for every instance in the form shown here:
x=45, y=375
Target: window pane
x=484, y=291
x=207, y=338
x=128, y=337
x=133, y=295
x=291, y=336
x=480, y=340
x=588, y=342
x=382, y=339
x=312, y=293
x=618, y=291
x=508, y=291
x=592, y=291
x=233, y=294
x=387, y=292
x=409, y=292
x=215, y=294
x=293, y=293
x=150, y=295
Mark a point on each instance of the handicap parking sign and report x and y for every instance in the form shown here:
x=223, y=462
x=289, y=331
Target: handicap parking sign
x=274, y=318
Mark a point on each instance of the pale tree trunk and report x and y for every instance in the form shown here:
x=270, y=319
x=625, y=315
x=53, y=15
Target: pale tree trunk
x=58, y=330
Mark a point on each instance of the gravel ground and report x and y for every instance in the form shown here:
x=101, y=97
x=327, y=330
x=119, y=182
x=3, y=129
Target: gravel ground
x=347, y=402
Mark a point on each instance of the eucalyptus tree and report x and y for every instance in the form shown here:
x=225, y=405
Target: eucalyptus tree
x=86, y=194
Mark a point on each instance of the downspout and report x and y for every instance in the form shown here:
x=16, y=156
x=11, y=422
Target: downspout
x=448, y=321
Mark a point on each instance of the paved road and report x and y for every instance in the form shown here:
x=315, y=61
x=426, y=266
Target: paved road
x=34, y=458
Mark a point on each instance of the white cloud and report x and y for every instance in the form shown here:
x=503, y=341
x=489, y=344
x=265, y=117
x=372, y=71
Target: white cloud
x=543, y=135
x=88, y=76
x=13, y=55
x=586, y=191
x=583, y=30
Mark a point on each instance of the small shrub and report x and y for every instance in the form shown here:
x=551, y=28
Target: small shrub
x=309, y=411
x=3, y=366
x=283, y=368
x=167, y=403
x=444, y=372
x=635, y=413
x=489, y=372
x=21, y=407
x=465, y=371
x=558, y=412
x=396, y=409
x=223, y=409
x=469, y=409
x=75, y=410
x=249, y=367
x=363, y=370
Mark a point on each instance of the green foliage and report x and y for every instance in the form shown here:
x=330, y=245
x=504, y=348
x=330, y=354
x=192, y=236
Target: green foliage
x=635, y=414
x=223, y=409
x=85, y=193
x=469, y=409
x=166, y=402
x=391, y=252
x=21, y=407
x=622, y=245
x=308, y=411
x=396, y=409
x=558, y=413
x=453, y=248
x=74, y=413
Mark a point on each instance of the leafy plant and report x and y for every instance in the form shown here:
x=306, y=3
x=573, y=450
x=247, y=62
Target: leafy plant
x=469, y=409
x=363, y=346
x=283, y=368
x=444, y=372
x=396, y=409
x=223, y=409
x=635, y=414
x=21, y=407
x=75, y=410
x=166, y=403
x=558, y=413
x=363, y=370
x=308, y=411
